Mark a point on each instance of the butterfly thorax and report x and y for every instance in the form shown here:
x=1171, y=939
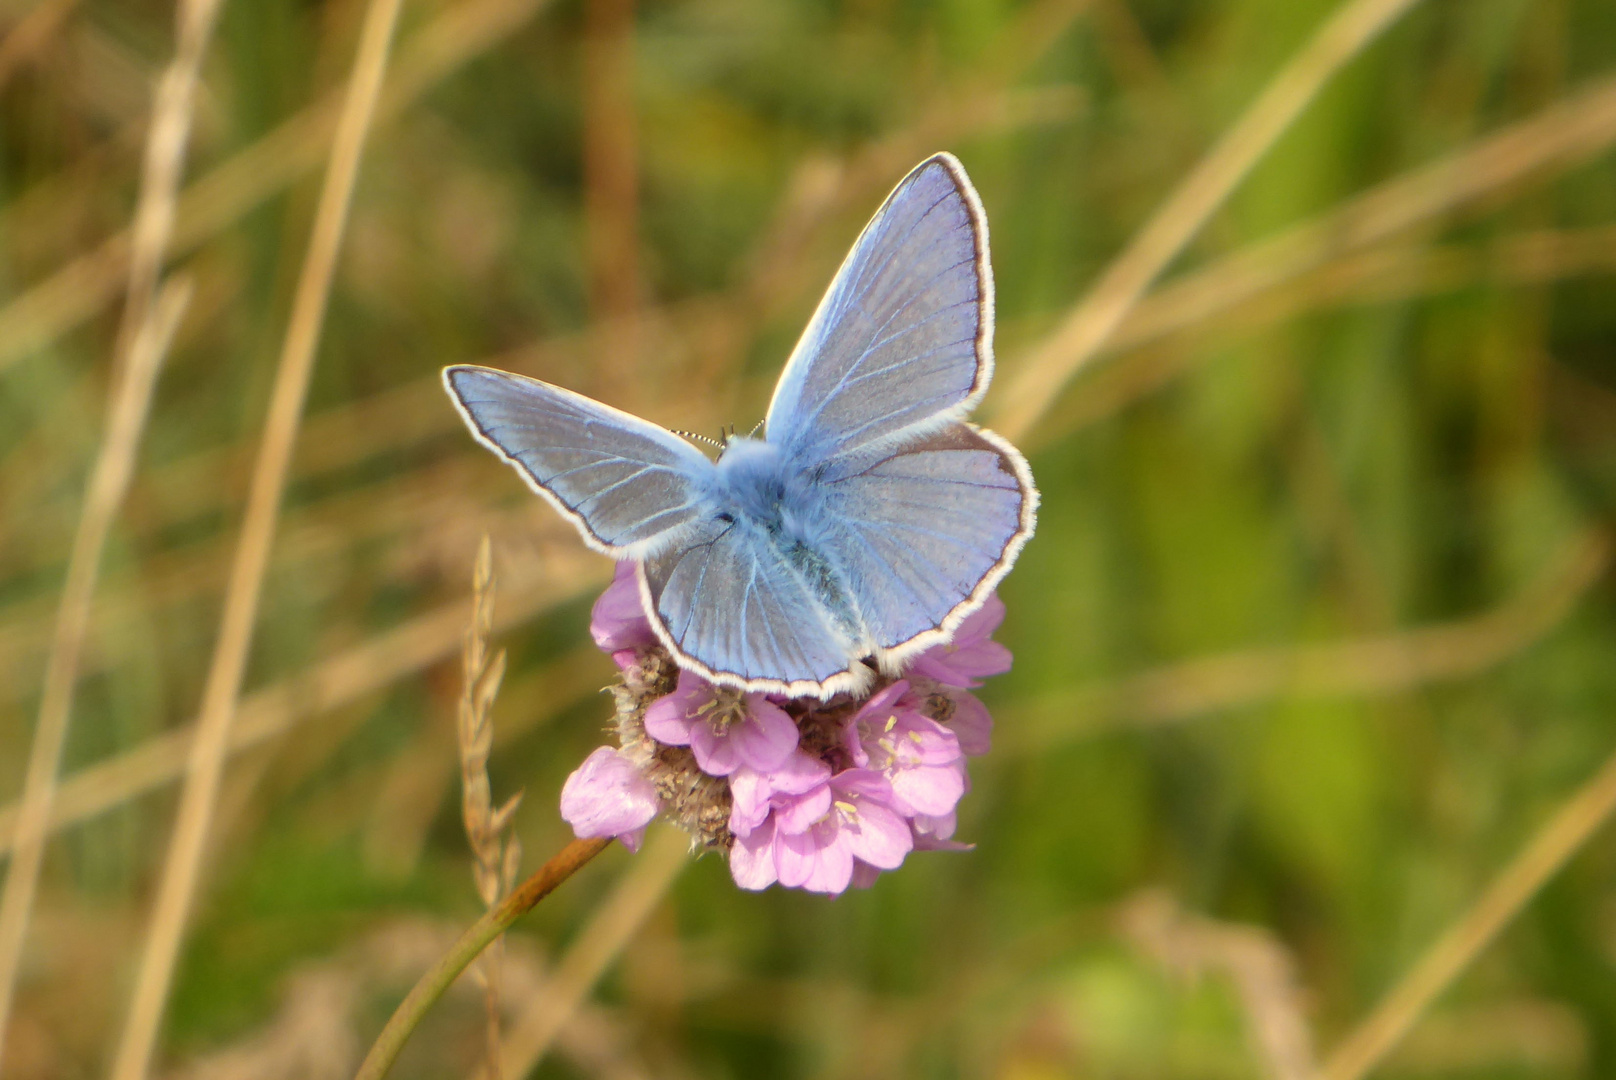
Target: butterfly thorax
x=753, y=482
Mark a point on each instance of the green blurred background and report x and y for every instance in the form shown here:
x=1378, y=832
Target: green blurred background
x=1316, y=632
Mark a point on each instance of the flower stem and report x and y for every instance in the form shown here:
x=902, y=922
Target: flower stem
x=432, y=985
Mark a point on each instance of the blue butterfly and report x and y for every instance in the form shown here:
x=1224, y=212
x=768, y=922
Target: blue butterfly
x=870, y=519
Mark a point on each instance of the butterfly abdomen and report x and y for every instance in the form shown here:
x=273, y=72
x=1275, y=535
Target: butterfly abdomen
x=759, y=492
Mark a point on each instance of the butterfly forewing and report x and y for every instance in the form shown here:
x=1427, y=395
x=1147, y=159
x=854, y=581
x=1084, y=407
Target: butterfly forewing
x=627, y=484
x=903, y=337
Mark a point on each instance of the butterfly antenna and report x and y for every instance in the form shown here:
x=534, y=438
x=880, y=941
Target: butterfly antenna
x=755, y=429
x=693, y=437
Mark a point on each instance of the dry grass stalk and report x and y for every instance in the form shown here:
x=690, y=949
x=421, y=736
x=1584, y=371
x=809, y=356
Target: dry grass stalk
x=275, y=710
x=311, y=1037
x=611, y=186
x=208, y=753
x=598, y=945
x=31, y=34
x=109, y=482
x=496, y=851
x=1352, y=27
x=401, y=809
x=163, y=165
x=313, y=1034
x=1259, y=964
x=220, y=198
x=144, y=336
x=1566, y=132
x=1160, y=350
x=1550, y=848
x=1380, y=665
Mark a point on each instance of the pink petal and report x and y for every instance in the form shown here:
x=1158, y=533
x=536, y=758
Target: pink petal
x=618, y=620
x=853, y=743
x=767, y=737
x=864, y=874
x=871, y=721
x=922, y=740
x=980, y=624
x=970, y=654
x=861, y=782
x=931, y=843
x=832, y=873
x=799, y=775
x=880, y=705
x=715, y=753
x=749, y=800
x=632, y=840
x=751, y=858
x=817, y=860
x=971, y=724
x=667, y=721
x=929, y=789
x=798, y=813
x=878, y=835
x=607, y=796
x=930, y=830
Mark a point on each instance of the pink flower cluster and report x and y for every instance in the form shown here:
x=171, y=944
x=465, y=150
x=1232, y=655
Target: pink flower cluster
x=819, y=795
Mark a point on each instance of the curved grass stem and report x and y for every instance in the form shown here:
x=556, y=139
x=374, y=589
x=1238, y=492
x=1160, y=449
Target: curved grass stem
x=482, y=933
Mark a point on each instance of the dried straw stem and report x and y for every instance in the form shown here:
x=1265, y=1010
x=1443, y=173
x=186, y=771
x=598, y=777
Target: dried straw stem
x=1379, y=665
x=220, y=198
x=442, y=975
x=1572, y=826
x=611, y=186
x=109, y=481
x=1353, y=26
x=1567, y=131
x=163, y=165
x=208, y=753
x=31, y=34
x=1261, y=967
x=273, y=711
x=144, y=335
x=496, y=851
x=600, y=943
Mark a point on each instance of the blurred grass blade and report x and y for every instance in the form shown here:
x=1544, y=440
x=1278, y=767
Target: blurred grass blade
x=271, y=712
x=1390, y=664
x=614, y=925
x=32, y=34
x=109, y=482
x=220, y=198
x=188, y=843
x=1564, y=134
x=471, y=944
x=1039, y=378
x=144, y=336
x=1550, y=848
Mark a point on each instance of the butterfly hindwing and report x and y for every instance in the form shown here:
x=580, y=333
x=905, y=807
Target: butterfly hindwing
x=726, y=599
x=627, y=484
x=903, y=337
x=923, y=534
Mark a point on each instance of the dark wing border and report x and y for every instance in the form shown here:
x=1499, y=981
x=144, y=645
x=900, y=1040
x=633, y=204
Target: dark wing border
x=855, y=679
x=892, y=659
x=676, y=446
x=982, y=251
